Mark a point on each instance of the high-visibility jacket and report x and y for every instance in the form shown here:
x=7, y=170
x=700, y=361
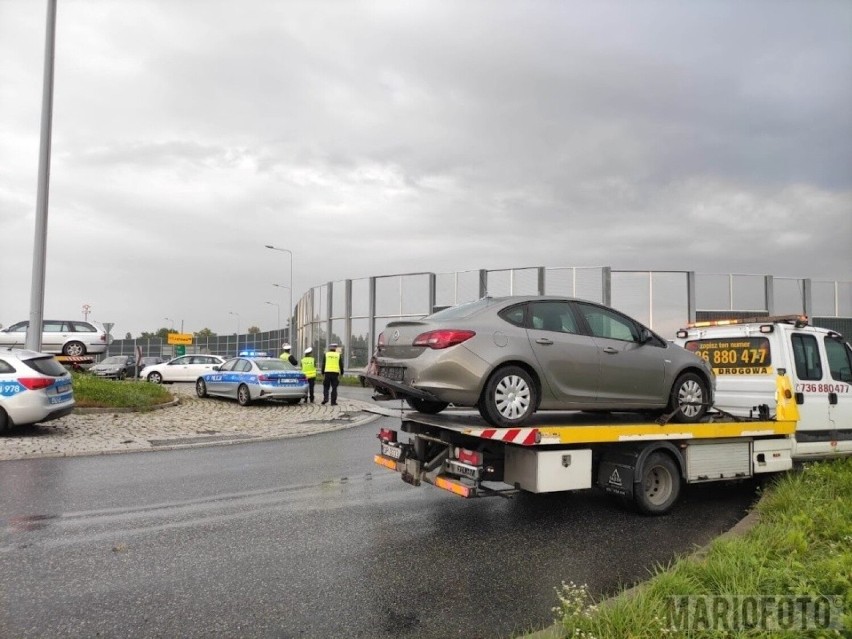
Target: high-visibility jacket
x=309, y=367
x=332, y=362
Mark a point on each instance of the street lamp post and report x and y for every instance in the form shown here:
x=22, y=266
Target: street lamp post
x=169, y=319
x=290, y=306
x=289, y=331
x=278, y=306
x=238, y=330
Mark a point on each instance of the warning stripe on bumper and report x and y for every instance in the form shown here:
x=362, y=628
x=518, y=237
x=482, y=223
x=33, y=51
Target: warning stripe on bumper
x=522, y=436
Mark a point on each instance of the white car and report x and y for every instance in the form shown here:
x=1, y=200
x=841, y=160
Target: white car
x=34, y=388
x=62, y=337
x=186, y=368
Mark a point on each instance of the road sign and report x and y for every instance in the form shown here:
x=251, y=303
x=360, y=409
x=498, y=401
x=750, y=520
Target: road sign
x=180, y=338
x=180, y=350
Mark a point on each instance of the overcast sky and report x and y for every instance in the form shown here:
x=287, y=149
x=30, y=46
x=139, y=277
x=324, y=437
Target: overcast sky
x=439, y=135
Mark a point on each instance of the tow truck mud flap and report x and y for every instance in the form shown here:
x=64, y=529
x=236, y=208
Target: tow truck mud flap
x=616, y=478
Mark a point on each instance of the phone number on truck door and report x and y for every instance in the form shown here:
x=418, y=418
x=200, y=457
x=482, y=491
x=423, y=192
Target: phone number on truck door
x=822, y=388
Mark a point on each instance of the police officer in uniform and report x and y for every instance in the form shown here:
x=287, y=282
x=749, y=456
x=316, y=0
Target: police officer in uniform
x=309, y=368
x=287, y=356
x=332, y=369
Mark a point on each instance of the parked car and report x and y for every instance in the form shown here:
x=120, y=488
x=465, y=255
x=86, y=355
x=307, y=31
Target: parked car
x=512, y=356
x=151, y=360
x=115, y=366
x=185, y=368
x=248, y=379
x=34, y=388
x=62, y=337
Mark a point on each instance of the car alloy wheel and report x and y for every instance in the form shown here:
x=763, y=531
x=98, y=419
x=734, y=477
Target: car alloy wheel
x=243, y=395
x=201, y=388
x=155, y=378
x=74, y=349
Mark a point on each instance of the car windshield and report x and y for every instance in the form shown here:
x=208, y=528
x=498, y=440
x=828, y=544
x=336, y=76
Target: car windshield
x=462, y=310
x=274, y=365
x=115, y=359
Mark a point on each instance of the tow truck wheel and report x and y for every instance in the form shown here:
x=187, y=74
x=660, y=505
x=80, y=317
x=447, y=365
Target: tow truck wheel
x=200, y=388
x=509, y=398
x=243, y=395
x=425, y=406
x=74, y=349
x=660, y=485
x=689, y=398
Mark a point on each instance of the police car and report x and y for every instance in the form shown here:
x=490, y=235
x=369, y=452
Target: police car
x=252, y=376
x=34, y=387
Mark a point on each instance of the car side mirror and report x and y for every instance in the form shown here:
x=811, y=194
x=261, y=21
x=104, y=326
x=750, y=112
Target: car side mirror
x=645, y=336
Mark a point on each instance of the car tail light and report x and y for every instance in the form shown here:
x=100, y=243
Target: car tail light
x=443, y=338
x=387, y=435
x=471, y=457
x=35, y=383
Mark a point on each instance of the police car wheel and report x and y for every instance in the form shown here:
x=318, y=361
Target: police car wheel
x=689, y=398
x=5, y=426
x=243, y=395
x=201, y=388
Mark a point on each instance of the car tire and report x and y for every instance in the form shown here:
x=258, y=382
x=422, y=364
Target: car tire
x=243, y=395
x=689, y=399
x=509, y=397
x=155, y=378
x=74, y=349
x=122, y=375
x=5, y=422
x=659, y=486
x=425, y=406
x=201, y=388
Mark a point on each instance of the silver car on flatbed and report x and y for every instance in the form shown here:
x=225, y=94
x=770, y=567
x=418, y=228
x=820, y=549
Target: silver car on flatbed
x=512, y=356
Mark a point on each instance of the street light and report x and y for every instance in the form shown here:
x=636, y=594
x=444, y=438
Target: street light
x=238, y=329
x=169, y=319
x=290, y=307
x=278, y=306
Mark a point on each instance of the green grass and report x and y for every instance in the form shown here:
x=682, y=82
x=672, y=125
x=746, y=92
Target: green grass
x=802, y=546
x=95, y=392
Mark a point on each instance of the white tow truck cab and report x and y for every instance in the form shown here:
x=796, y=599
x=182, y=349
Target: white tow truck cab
x=783, y=391
x=748, y=354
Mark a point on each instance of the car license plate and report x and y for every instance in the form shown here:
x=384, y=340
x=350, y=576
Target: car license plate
x=63, y=389
x=393, y=373
x=391, y=451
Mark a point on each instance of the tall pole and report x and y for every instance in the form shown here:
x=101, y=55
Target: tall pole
x=290, y=307
x=33, y=341
x=278, y=307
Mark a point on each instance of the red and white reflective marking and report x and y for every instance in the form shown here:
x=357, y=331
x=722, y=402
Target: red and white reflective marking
x=522, y=436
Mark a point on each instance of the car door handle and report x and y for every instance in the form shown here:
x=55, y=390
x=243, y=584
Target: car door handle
x=544, y=340
x=610, y=350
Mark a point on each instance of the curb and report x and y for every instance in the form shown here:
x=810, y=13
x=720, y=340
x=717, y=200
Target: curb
x=97, y=410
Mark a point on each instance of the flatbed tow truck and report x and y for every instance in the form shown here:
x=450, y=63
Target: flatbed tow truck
x=637, y=460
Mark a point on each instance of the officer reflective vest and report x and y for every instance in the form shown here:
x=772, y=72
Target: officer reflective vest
x=332, y=362
x=309, y=367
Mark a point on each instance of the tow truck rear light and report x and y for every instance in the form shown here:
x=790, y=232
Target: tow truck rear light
x=387, y=435
x=797, y=320
x=35, y=383
x=471, y=457
x=443, y=338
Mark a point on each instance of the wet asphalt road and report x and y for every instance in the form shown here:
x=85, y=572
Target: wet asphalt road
x=307, y=538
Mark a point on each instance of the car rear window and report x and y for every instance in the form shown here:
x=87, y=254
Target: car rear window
x=46, y=366
x=462, y=310
x=274, y=365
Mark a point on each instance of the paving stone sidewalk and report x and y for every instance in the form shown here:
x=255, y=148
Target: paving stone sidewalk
x=190, y=421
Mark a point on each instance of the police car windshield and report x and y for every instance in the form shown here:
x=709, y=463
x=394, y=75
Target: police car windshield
x=274, y=365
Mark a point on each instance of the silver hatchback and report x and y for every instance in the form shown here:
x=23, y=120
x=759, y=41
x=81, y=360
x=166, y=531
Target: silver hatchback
x=512, y=356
